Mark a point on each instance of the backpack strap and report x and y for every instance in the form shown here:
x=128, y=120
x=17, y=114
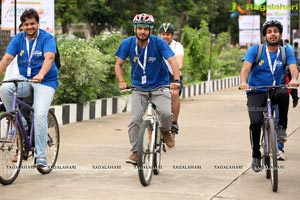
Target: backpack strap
x=258, y=54
x=283, y=56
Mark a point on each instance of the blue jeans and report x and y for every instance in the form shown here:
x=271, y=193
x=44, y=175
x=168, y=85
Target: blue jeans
x=43, y=96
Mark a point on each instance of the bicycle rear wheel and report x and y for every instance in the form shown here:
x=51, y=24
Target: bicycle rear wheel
x=10, y=148
x=145, y=152
x=157, y=150
x=53, y=142
x=273, y=155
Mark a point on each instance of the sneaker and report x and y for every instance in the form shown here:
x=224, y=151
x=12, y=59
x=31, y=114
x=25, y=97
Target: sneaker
x=168, y=139
x=280, y=155
x=256, y=164
x=281, y=134
x=41, y=162
x=174, y=128
x=132, y=159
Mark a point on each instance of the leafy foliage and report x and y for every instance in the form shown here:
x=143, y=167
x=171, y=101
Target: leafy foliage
x=85, y=73
x=206, y=51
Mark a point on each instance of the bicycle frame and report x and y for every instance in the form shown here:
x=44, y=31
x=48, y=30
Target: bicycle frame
x=268, y=115
x=28, y=141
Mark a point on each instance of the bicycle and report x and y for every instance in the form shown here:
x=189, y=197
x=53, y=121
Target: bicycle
x=21, y=144
x=150, y=140
x=269, y=138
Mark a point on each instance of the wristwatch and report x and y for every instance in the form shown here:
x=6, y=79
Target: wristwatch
x=176, y=81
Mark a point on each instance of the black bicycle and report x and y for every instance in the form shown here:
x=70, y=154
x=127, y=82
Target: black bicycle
x=17, y=144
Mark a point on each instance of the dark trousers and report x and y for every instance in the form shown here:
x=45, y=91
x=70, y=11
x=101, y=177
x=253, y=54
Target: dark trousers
x=256, y=106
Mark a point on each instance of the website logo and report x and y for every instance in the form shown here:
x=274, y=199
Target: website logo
x=236, y=10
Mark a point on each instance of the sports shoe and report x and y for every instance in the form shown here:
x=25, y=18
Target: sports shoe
x=174, y=128
x=132, y=159
x=280, y=155
x=168, y=139
x=41, y=162
x=281, y=134
x=256, y=164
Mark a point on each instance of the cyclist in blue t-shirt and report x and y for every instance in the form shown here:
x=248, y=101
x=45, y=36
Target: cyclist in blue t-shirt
x=36, y=53
x=149, y=71
x=267, y=72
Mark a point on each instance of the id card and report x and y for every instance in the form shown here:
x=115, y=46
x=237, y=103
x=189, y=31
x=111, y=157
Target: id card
x=28, y=71
x=144, y=79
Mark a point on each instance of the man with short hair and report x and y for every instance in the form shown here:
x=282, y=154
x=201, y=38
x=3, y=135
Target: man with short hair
x=267, y=72
x=166, y=32
x=148, y=72
x=36, y=53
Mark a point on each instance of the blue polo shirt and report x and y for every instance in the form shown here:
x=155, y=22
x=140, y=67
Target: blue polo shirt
x=45, y=43
x=156, y=71
x=261, y=74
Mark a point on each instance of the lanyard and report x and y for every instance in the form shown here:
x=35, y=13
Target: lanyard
x=143, y=66
x=30, y=54
x=272, y=69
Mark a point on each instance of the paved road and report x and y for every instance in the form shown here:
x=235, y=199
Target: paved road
x=211, y=159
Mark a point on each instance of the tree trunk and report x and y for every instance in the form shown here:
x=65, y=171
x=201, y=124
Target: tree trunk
x=181, y=21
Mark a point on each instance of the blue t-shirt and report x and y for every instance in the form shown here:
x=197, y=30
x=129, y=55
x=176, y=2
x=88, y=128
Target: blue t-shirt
x=156, y=71
x=45, y=43
x=261, y=74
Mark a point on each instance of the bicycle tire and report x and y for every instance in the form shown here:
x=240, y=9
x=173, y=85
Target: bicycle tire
x=273, y=155
x=53, y=144
x=9, y=169
x=158, y=150
x=145, y=153
x=266, y=157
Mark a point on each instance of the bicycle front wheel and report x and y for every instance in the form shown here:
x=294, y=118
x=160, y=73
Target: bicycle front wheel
x=273, y=155
x=11, y=148
x=145, y=152
x=53, y=142
x=266, y=157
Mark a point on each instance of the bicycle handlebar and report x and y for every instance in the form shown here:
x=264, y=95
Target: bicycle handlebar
x=132, y=87
x=19, y=80
x=269, y=87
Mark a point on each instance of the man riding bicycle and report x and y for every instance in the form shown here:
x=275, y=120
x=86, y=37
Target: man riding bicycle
x=149, y=71
x=36, y=52
x=166, y=32
x=267, y=72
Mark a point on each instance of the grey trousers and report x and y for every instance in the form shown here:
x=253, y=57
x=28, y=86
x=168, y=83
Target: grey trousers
x=139, y=103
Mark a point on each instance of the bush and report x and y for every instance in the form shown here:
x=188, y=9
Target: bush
x=205, y=52
x=84, y=74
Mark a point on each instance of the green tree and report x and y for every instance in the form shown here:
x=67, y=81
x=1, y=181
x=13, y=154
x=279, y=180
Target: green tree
x=66, y=13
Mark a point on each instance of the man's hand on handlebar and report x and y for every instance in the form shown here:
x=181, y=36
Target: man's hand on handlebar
x=244, y=86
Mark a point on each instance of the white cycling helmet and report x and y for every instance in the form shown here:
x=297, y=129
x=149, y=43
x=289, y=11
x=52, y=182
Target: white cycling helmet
x=143, y=19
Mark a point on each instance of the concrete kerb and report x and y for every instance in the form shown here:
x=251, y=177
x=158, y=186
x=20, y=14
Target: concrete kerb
x=72, y=113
